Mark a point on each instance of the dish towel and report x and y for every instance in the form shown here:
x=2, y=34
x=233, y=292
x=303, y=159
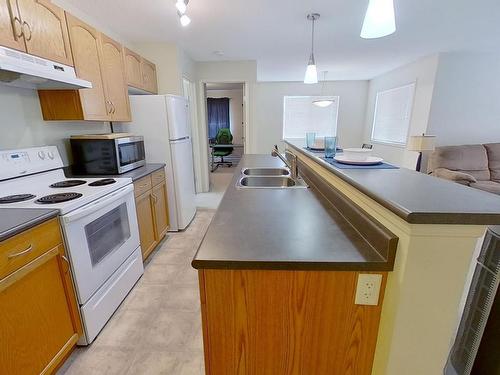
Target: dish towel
x=336, y=164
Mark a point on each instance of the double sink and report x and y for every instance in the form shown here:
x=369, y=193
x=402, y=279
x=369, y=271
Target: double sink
x=268, y=178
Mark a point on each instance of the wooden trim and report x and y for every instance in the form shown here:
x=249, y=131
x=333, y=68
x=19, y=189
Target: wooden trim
x=59, y=358
x=204, y=322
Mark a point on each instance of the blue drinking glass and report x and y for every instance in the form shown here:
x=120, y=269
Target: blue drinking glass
x=310, y=139
x=330, y=146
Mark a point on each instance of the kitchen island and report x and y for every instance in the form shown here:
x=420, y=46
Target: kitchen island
x=278, y=272
x=279, y=268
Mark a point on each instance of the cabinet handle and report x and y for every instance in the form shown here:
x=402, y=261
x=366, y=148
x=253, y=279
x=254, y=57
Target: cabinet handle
x=155, y=199
x=17, y=21
x=63, y=257
x=108, y=107
x=113, y=107
x=15, y=255
x=29, y=29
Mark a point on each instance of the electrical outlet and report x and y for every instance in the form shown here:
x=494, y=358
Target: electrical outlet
x=368, y=289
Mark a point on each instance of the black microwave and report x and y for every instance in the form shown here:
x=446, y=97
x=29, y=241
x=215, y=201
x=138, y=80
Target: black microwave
x=105, y=154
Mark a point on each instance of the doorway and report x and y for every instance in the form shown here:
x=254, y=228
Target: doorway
x=225, y=113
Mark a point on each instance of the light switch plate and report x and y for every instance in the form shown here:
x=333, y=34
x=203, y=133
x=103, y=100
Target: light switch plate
x=368, y=289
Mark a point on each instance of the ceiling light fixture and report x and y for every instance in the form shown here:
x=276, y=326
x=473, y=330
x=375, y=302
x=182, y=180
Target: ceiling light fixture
x=323, y=102
x=311, y=71
x=181, y=6
x=185, y=20
x=379, y=19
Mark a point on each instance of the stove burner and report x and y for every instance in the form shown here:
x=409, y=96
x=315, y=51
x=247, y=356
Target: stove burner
x=67, y=183
x=58, y=198
x=16, y=198
x=104, y=181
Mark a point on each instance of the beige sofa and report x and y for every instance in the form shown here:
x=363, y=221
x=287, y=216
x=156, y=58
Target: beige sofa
x=477, y=166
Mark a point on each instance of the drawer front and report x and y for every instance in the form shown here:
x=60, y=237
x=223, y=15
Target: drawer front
x=24, y=247
x=143, y=185
x=158, y=177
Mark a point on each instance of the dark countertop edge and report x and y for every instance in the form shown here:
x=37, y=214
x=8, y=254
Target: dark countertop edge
x=28, y=224
x=134, y=174
x=270, y=265
x=410, y=217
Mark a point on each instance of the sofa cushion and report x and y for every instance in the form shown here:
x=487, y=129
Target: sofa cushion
x=489, y=186
x=493, y=151
x=470, y=159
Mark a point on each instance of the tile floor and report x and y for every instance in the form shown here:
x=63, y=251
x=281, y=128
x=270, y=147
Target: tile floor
x=157, y=329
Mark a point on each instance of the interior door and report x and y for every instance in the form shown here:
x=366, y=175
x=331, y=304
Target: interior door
x=85, y=44
x=45, y=30
x=182, y=164
x=115, y=84
x=11, y=34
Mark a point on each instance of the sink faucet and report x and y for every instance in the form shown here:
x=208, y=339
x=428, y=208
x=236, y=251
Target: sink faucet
x=292, y=165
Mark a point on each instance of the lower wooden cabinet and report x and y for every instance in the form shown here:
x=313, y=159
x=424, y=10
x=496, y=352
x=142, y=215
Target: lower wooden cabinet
x=39, y=319
x=152, y=210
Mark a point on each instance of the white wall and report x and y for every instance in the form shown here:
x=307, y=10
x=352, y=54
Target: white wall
x=235, y=110
x=267, y=110
x=21, y=123
x=423, y=72
x=465, y=107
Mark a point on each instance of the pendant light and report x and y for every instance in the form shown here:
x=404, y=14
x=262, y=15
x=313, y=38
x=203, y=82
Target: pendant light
x=311, y=71
x=181, y=6
x=323, y=102
x=379, y=19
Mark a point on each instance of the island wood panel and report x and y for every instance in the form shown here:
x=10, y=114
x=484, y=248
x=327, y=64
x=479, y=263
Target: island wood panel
x=286, y=322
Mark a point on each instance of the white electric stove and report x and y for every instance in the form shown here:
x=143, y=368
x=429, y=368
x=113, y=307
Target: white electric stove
x=99, y=223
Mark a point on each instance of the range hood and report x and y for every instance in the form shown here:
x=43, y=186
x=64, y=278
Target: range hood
x=20, y=69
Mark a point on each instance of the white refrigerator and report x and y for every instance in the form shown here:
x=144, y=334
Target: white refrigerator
x=164, y=122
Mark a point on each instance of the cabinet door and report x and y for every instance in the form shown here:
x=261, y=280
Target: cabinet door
x=133, y=68
x=37, y=323
x=85, y=42
x=11, y=34
x=45, y=30
x=161, y=209
x=115, y=85
x=145, y=217
x=149, y=76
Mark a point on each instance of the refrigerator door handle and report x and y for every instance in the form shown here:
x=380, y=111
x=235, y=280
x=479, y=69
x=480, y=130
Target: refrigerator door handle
x=178, y=139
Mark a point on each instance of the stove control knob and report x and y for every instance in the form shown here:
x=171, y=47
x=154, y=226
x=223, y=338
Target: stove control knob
x=41, y=155
x=50, y=154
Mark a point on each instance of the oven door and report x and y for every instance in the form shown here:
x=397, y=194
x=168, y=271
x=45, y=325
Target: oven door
x=130, y=153
x=100, y=237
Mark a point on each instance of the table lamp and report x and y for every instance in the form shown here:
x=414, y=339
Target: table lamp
x=421, y=143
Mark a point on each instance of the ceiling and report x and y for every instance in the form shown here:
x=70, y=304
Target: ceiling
x=277, y=34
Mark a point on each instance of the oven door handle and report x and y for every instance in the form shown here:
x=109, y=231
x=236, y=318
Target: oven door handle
x=99, y=204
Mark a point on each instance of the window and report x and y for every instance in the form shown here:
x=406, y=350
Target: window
x=391, y=119
x=300, y=116
x=218, y=115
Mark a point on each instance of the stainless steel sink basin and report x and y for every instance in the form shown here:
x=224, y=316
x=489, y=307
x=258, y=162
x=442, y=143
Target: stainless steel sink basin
x=266, y=172
x=270, y=182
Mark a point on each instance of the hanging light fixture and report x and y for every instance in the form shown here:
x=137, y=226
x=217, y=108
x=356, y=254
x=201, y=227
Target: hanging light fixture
x=311, y=71
x=379, y=19
x=323, y=102
x=181, y=6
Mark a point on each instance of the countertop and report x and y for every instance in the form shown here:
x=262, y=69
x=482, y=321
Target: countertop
x=17, y=220
x=282, y=229
x=134, y=174
x=416, y=197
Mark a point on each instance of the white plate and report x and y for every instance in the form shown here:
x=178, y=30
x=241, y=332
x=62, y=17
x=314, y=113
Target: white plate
x=370, y=160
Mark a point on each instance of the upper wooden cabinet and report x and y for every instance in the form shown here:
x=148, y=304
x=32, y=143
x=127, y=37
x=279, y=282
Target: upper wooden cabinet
x=11, y=34
x=115, y=85
x=141, y=73
x=98, y=59
x=37, y=27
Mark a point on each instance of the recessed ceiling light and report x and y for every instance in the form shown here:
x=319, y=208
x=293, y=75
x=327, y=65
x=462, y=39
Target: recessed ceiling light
x=379, y=19
x=185, y=20
x=218, y=53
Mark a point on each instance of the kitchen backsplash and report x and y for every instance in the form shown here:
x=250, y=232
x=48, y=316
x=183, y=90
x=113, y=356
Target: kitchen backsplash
x=21, y=123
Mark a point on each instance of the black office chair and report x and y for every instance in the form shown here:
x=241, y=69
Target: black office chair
x=223, y=137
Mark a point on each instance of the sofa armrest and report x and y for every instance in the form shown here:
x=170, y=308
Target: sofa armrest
x=456, y=176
